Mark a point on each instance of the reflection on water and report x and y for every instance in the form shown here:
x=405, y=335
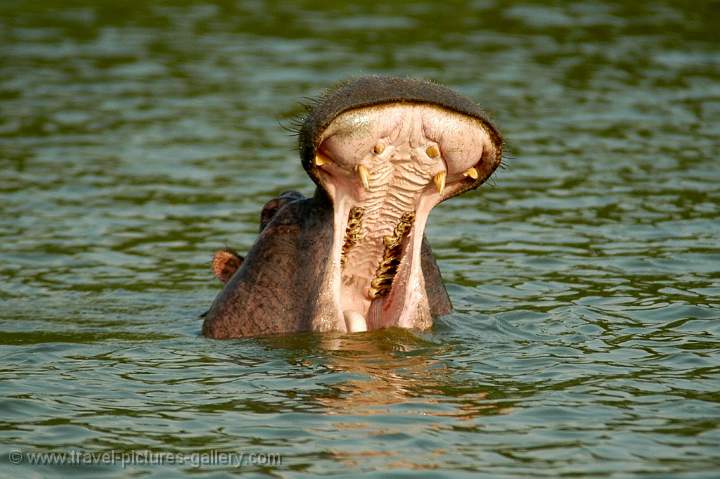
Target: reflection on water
x=392, y=386
x=397, y=368
x=138, y=138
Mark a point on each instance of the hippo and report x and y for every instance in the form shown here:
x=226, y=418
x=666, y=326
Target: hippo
x=382, y=152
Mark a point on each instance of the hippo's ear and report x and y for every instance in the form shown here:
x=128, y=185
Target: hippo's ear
x=224, y=264
x=274, y=205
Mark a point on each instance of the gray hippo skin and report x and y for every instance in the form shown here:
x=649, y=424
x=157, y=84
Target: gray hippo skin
x=383, y=151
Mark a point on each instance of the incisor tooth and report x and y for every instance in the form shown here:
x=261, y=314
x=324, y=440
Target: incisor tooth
x=472, y=173
x=439, y=180
x=363, y=172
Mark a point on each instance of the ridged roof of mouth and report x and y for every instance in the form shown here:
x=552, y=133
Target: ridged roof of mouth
x=386, y=151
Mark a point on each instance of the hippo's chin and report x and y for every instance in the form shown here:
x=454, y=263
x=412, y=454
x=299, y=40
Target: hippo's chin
x=383, y=152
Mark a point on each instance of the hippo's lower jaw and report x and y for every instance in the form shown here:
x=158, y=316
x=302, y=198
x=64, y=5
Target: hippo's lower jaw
x=383, y=152
x=384, y=168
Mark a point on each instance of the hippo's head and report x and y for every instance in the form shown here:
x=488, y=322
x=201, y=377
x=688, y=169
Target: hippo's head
x=383, y=152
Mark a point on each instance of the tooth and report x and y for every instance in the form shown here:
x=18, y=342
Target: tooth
x=388, y=240
x=439, y=180
x=363, y=172
x=372, y=293
x=472, y=173
x=320, y=160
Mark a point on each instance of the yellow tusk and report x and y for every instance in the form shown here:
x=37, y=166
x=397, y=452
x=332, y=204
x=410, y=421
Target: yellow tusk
x=363, y=172
x=472, y=173
x=439, y=180
x=320, y=160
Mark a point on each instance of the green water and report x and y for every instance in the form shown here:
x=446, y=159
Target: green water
x=137, y=139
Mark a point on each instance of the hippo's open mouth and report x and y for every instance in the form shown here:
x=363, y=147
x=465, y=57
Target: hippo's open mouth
x=383, y=151
x=385, y=167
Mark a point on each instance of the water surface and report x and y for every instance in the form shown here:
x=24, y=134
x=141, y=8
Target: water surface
x=137, y=139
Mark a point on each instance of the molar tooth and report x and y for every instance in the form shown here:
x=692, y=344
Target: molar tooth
x=389, y=240
x=372, y=293
x=439, y=180
x=364, y=173
x=471, y=172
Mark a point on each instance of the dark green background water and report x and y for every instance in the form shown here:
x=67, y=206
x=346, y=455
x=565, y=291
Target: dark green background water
x=137, y=139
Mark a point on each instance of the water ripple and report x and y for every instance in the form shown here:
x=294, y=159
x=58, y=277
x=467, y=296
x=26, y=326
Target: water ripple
x=136, y=141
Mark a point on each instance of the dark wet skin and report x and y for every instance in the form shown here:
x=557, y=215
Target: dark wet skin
x=382, y=151
x=226, y=261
